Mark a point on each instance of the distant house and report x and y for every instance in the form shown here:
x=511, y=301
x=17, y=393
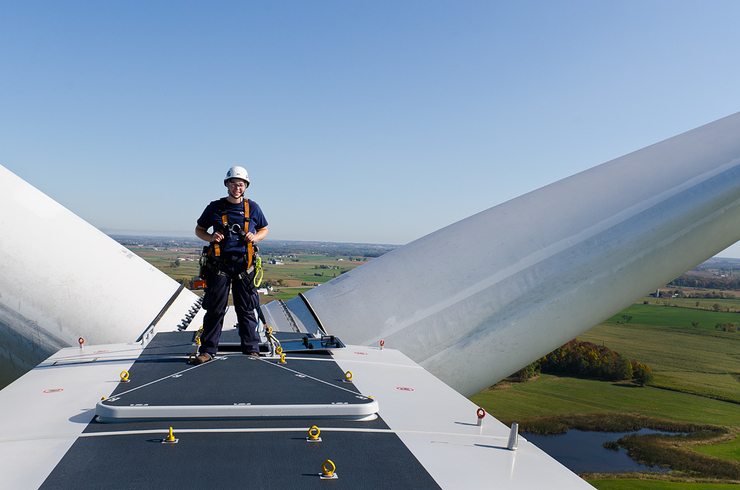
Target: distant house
x=263, y=291
x=658, y=294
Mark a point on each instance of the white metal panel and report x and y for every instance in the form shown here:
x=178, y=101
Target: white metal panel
x=43, y=412
x=440, y=428
x=508, y=285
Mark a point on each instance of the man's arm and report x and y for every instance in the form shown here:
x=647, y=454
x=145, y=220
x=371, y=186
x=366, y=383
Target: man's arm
x=203, y=234
x=258, y=236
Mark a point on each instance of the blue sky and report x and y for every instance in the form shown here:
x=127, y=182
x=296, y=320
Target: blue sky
x=364, y=121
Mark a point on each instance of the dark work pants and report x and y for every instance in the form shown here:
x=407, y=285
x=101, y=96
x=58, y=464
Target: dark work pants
x=246, y=300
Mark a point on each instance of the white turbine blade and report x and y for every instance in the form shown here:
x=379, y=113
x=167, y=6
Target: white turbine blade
x=62, y=279
x=484, y=297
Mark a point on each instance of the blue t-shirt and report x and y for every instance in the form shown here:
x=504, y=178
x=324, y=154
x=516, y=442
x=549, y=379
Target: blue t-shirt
x=211, y=217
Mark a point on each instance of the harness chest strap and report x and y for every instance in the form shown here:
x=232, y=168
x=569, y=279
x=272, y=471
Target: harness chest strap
x=225, y=224
x=250, y=245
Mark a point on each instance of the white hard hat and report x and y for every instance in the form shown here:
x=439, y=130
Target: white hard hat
x=237, y=173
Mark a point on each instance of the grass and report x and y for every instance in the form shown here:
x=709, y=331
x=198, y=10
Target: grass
x=635, y=484
x=728, y=450
x=556, y=395
x=282, y=293
x=676, y=452
x=672, y=316
x=703, y=362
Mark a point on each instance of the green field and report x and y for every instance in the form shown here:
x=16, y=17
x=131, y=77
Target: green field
x=703, y=303
x=633, y=484
x=164, y=260
x=728, y=450
x=673, y=316
x=697, y=380
x=705, y=362
x=560, y=395
x=297, y=274
x=283, y=293
x=307, y=268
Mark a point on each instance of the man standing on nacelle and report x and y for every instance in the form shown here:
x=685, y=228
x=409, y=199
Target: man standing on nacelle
x=238, y=223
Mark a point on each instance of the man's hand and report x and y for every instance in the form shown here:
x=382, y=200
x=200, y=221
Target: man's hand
x=217, y=237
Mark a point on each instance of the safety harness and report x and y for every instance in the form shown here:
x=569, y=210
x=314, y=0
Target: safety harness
x=211, y=258
x=227, y=229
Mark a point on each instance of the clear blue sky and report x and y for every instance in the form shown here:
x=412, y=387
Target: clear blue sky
x=363, y=121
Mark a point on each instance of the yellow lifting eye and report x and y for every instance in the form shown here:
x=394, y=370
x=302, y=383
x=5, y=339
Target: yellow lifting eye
x=314, y=432
x=328, y=469
x=279, y=349
x=124, y=376
x=282, y=359
x=348, y=376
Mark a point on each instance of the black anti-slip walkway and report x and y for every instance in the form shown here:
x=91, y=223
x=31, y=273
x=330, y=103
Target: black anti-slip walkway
x=259, y=452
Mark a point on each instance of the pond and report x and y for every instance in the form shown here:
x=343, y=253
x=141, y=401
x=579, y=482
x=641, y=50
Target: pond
x=583, y=451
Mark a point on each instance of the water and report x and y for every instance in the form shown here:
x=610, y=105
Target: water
x=583, y=451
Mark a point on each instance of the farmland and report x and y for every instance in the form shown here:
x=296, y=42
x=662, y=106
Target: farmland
x=676, y=315
x=290, y=268
x=696, y=368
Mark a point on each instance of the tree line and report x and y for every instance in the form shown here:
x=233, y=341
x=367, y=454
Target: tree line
x=724, y=283
x=588, y=359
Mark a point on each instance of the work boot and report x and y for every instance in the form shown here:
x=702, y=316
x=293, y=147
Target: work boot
x=201, y=358
x=254, y=354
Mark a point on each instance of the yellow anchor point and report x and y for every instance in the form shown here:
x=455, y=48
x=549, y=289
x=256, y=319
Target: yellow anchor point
x=170, y=439
x=328, y=470
x=313, y=434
